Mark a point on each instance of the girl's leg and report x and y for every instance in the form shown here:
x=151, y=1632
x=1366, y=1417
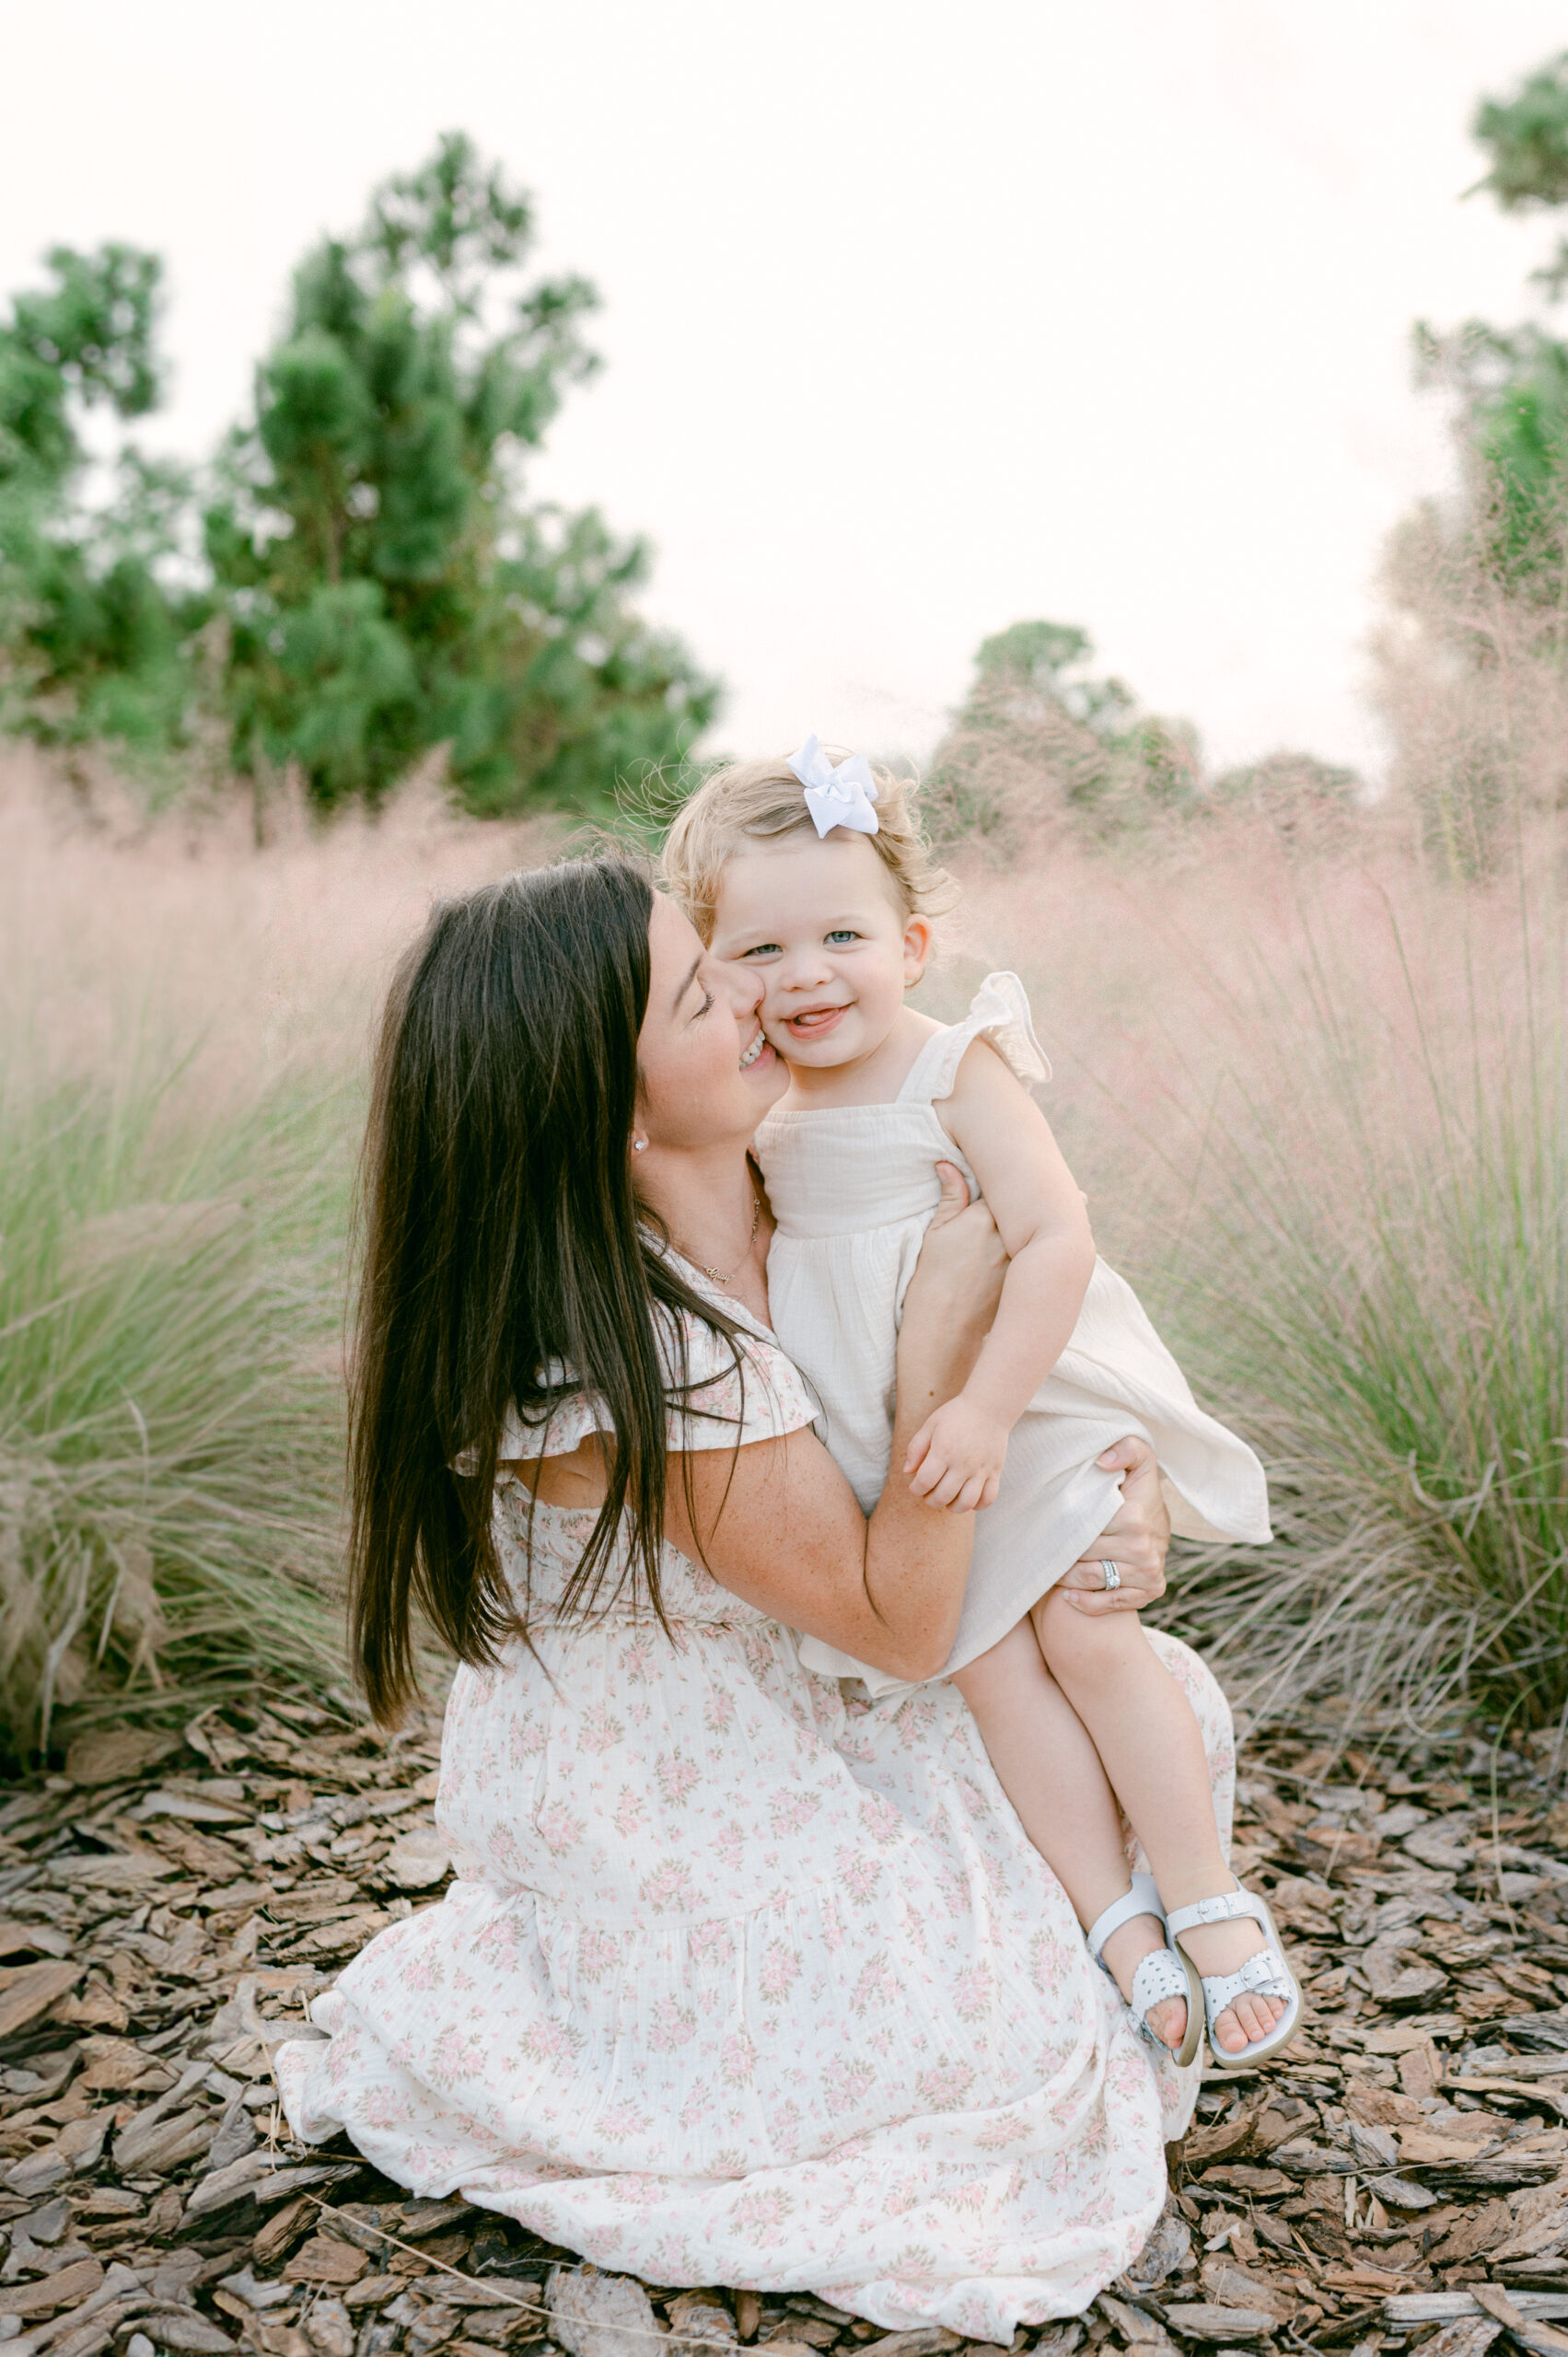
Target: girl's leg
x=1142, y=1728
x=1052, y=1773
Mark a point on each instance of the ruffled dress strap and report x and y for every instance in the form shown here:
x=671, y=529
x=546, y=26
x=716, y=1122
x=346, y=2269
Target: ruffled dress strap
x=999, y=1012
x=721, y=1394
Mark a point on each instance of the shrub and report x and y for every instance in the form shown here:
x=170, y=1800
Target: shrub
x=170, y=1428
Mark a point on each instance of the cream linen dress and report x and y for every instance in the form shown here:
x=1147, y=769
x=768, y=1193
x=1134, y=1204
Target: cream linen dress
x=740, y=1980
x=852, y=1189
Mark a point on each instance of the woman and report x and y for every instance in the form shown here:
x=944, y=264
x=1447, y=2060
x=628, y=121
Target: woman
x=739, y=1983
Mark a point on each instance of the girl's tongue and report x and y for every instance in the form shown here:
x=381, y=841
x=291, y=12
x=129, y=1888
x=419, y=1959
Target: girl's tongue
x=814, y=1021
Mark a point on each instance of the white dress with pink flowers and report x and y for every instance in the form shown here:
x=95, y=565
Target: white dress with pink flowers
x=743, y=1982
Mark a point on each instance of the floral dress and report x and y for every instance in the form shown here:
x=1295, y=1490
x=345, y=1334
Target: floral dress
x=741, y=1981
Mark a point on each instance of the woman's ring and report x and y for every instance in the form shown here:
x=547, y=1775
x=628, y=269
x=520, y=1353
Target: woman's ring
x=1113, y=1573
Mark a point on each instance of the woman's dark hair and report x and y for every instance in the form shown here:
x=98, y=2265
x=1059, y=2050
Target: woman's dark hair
x=501, y=1234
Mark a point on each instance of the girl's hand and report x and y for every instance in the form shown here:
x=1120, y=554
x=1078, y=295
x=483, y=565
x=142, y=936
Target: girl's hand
x=1136, y=1540
x=957, y=1457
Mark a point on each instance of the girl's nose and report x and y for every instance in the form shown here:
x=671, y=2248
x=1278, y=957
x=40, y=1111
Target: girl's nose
x=804, y=968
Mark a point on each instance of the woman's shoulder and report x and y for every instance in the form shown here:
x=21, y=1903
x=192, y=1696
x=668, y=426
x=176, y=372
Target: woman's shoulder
x=723, y=1389
x=727, y=1388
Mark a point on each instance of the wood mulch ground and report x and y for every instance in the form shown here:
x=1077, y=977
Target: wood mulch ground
x=166, y=1914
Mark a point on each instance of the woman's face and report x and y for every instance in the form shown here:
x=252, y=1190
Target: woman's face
x=705, y=1071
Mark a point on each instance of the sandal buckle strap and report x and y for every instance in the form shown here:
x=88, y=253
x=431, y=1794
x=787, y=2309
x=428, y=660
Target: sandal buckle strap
x=1225, y=1907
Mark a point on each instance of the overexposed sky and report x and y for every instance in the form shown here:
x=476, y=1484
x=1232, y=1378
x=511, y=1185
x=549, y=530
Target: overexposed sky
x=919, y=319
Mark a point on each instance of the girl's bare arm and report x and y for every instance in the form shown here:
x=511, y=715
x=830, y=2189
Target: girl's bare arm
x=1040, y=1215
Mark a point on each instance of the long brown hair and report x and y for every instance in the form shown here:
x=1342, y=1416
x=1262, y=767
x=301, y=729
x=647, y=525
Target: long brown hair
x=501, y=1234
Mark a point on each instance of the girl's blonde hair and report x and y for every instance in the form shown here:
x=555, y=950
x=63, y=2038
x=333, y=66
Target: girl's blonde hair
x=757, y=801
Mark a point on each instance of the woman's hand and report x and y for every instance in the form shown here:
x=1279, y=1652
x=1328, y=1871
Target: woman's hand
x=958, y=1279
x=1136, y=1540
x=948, y=1311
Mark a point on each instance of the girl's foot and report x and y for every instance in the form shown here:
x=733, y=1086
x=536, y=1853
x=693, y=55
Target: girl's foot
x=1218, y=1948
x=1162, y=1989
x=1251, y=1997
x=1123, y=1952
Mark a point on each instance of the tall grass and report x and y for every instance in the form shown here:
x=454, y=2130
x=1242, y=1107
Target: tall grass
x=182, y=1030
x=169, y=1426
x=1324, y=1104
x=1314, y=1079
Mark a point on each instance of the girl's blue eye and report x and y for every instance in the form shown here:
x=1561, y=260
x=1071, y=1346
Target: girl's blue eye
x=762, y=949
x=843, y=933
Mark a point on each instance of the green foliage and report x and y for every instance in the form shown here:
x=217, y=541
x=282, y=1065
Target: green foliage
x=1513, y=392
x=1528, y=137
x=1512, y=384
x=1474, y=683
x=386, y=590
x=1041, y=735
x=171, y=1429
x=1049, y=660
x=375, y=584
x=96, y=639
x=87, y=340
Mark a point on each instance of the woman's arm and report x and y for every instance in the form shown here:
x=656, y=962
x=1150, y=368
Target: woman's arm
x=779, y=1524
x=775, y=1521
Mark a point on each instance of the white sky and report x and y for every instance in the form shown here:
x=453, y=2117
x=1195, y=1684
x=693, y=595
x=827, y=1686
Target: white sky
x=919, y=318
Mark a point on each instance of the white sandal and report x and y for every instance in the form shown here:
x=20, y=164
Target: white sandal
x=1265, y=1975
x=1162, y=1974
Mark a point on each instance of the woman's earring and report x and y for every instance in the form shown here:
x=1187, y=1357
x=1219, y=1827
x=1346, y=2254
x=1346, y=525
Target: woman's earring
x=639, y=1145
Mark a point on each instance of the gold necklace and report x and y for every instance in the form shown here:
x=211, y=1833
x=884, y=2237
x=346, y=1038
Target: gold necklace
x=718, y=1276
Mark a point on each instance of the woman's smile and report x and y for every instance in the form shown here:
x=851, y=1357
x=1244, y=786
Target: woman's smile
x=755, y=1050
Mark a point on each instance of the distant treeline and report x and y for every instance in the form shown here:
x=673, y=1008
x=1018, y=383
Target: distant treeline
x=357, y=580
x=1470, y=675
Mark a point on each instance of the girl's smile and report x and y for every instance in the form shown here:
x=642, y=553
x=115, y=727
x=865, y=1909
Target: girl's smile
x=814, y=1022
x=818, y=929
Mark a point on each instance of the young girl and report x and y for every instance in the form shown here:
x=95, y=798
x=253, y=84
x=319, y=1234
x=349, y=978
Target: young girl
x=820, y=876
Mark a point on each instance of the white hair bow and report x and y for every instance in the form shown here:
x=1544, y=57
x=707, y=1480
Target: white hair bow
x=836, y=797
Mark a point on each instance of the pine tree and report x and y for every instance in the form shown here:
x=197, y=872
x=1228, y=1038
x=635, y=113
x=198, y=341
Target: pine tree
x=362, y=580
x=387, y=586
x=92, y=638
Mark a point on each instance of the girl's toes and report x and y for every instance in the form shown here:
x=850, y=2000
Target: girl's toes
x=1246, y=2020
x=1169, y=2021
x=1229, y=2033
